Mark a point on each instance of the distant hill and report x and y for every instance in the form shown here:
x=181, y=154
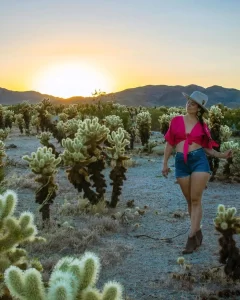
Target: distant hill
x=150, y=95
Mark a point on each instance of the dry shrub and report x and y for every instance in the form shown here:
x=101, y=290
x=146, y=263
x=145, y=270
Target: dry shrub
x=103, y=224
x=18, y=181
x=114, y=253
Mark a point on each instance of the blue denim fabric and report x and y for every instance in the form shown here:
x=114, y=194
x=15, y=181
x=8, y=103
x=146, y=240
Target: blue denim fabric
x=196, y=162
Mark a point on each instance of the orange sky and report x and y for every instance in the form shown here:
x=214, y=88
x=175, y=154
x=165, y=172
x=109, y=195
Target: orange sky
x=75, y=48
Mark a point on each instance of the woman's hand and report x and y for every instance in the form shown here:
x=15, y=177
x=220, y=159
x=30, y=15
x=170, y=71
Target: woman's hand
x=227, y=154
x=165, y=171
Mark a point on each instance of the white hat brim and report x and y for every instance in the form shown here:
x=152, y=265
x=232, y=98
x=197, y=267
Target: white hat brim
x=189, y=98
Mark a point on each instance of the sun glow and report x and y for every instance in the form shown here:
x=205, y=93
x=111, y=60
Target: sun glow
x=71, y=79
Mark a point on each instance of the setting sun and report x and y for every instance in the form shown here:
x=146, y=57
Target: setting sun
x=71, y=79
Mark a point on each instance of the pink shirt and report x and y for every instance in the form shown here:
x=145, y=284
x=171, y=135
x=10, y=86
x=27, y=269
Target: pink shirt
x=177, y=133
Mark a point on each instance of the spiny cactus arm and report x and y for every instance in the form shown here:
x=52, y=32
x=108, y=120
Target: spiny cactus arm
x=226, y=219
x=43, y=161
x=44, y=137
x=15, y=255
x=92, y=132
x=14, y=280
x=2, y=152
x=26, y=285
x=112, y=291
x=90, y=266
x=15, y=234
x=5, y=263
x=62, y=286
x=8, y=203
x=75, y=152
x=91, y=294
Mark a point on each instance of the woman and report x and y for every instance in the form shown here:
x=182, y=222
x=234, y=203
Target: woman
x=192, y=139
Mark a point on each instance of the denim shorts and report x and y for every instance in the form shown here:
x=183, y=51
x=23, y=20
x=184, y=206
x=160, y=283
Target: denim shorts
x=196, y=162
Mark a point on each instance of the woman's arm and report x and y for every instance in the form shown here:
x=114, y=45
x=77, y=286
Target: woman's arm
x=167, y=153
x=217, y=154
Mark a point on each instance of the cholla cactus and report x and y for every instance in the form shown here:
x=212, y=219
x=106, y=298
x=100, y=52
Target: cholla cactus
x=231, y=168
x=71, y=111
x=93, y=135
x=43, y=109
x=44, y=164
x=71, y=127
x=4, y=133
x=165, y=120
x=113, y=122
x=63, y=117
x=44, y=138
x=2, y=155
x=14, y=232
x=8, y=118
x=215, y=121
x=144, y=126
x=1, y=117
x=75, y=155
x=228, y=224
x=20, y=122
x=71, y=279
x=35, y=121
x=225, y=133
x=85, y=153
x=117, y=153
x=25, y=110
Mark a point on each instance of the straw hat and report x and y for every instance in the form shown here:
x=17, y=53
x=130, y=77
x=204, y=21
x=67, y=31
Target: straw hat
x=198, y=97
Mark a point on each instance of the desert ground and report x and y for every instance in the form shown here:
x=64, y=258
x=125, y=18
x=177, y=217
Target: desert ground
x=138, y=250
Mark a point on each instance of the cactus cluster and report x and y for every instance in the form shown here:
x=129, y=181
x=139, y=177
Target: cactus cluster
x=143, y=121
x=117, y=154
x=225, y=133
x=228, y=224
x=4, y=134
x=84, y=155
x=71, y=279
x=44, y=164
x=2, y=155
x=231, y=168
x=20, y=122
x=44, y=138
x=71, y=111
x=8, y=118
x=215, y=122
x=113, y=122
x=14, y=232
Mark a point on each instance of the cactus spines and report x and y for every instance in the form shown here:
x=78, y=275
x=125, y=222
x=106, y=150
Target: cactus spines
x=231, y=168
x=77, y=158
x=85, y=156
x=228, y=224
x=112, y=290
x=215, y=123
x=44, y=164
x=2, y=155
x=71, y=279
x=117, y=153
x=44, y=138
x=113, y=122
x=14, y=232
x=144, y=126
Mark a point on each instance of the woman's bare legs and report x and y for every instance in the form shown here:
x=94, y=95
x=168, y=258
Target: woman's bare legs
x=198, y=183
x=185, y=184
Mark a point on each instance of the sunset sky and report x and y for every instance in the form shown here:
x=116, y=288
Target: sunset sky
x=70, y=47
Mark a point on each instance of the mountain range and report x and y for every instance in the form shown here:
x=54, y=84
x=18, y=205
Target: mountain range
x=149, y=95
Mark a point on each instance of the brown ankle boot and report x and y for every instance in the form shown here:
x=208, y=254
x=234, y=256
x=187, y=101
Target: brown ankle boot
x=192, y=244
x=199, y=237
